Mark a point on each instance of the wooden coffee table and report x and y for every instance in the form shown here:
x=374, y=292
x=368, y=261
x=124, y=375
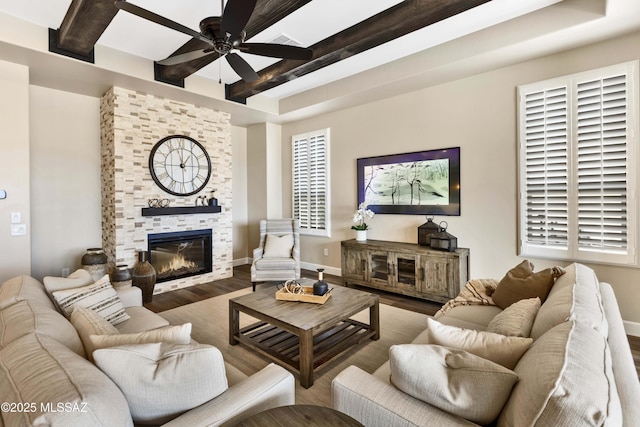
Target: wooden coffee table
x=301, y=336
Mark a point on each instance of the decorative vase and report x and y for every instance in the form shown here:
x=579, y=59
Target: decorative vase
x=121, y=277
x=95, y=262
x=320, y=287
x=143, y=276
x=361, y=235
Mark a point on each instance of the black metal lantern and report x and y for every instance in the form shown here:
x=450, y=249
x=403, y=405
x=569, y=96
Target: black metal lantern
x=426, y=230
x=443, y=240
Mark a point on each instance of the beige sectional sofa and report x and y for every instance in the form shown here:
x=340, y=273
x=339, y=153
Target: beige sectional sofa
x=47, y=379
x=578, y=371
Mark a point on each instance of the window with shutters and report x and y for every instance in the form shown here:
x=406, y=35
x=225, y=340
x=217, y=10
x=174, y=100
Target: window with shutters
x=310, y=152
x=578, y=155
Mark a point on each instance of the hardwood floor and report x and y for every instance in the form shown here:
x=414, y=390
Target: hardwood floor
x=242, y=279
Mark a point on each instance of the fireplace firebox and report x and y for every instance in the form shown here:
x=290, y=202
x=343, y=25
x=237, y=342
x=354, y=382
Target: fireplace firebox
x=180, y=254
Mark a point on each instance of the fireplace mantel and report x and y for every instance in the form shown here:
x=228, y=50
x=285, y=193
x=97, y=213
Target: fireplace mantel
x=181, y=210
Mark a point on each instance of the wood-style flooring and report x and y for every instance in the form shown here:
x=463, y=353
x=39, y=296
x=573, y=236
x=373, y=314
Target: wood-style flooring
x=242, y=279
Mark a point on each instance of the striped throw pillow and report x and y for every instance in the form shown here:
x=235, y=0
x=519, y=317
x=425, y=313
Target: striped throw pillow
x=100, y=297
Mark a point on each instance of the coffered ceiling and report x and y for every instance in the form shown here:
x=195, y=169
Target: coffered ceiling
x=363, y=49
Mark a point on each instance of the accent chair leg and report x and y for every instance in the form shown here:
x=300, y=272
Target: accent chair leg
x=254, y=286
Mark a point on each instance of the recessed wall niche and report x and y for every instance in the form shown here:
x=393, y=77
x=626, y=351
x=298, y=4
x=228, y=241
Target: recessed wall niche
x=131, y=123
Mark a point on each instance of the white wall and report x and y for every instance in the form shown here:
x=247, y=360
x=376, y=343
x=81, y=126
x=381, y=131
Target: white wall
x=14, y=169
x=65, y=175
x=477, y=114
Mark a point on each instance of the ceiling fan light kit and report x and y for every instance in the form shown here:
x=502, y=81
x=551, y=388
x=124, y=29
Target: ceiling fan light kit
x=223, y=34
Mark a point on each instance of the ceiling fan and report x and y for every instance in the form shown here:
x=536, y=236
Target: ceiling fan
x=224, y=34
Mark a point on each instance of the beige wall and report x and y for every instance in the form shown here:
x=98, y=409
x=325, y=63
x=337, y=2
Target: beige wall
x=14, y=169
x=65, y=175
x=479, y=115
x=239, y=189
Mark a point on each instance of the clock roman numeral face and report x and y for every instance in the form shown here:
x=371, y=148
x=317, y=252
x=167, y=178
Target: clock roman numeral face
x=180, y=165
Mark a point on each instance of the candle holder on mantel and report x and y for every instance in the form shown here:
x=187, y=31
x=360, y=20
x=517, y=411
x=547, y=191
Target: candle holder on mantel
x=143, y=276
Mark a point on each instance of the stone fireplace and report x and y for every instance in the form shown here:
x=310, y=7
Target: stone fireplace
x=131, y=124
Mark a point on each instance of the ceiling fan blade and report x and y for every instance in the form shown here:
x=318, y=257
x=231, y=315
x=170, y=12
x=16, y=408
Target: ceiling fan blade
x=242, y=67
x=276, y=50
x=236, y=15
x=186, y=57
x=161, y=20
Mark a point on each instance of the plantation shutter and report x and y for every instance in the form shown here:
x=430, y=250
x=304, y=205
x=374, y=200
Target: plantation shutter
x=545, y=142
x=578, y=166
x=310, y=182
x=602, y=163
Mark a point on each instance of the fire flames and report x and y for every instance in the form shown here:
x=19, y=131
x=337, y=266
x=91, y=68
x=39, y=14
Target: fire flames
x=178, y=262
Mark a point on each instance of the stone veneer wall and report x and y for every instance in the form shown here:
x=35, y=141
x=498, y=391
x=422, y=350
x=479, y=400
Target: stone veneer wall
x=131, y=124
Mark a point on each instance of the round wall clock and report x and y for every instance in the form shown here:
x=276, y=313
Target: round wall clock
x=180, y=165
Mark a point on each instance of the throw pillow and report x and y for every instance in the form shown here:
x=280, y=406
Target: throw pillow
x=160, y=380
x=505, y=351
x=521, y=282
x=455, y=381
x=170, y=334
x=76, y=279
x=517, y=319
x=87, y=322
x=278, y=246
x=100, y=297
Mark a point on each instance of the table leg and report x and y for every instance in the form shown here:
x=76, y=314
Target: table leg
x=306, y=359
x=374, y=320
x=234, y=323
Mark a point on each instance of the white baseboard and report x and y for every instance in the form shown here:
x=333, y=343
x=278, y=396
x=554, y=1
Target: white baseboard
x=632, y=328
x=329, y=270
x=242, y=261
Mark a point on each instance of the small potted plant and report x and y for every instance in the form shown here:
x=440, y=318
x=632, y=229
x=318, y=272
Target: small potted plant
x=359, y=216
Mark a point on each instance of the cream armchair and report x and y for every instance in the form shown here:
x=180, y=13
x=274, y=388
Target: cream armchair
x=278, y=256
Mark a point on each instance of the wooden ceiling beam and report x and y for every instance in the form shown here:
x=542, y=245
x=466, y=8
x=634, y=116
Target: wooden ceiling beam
x=266, y=13
x=397, y=21
x=83, y=25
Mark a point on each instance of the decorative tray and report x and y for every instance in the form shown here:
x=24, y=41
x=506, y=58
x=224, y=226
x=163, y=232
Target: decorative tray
x=306, y=296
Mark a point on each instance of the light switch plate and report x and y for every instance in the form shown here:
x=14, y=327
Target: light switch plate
x=16, y=218
x=18, y=229
x=3, y=194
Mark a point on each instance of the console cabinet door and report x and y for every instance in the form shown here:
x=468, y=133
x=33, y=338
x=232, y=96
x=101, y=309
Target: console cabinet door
x=354, y=262
x=379, y=264
x=437, y=275
x=404, y=268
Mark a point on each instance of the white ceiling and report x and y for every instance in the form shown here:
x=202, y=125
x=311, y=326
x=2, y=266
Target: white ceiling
x=494, y=33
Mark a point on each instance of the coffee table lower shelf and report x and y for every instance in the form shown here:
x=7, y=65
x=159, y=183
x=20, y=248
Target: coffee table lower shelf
x=284, y=347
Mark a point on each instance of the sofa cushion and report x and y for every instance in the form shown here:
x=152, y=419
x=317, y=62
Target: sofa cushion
x=575, y=296
x=99, y=296
x=161, y=380
x=180, y=334
x=27, y=317
x=500, y=349
x=475, y=317
x=87, y=322
x=553, y=387
x=67, y=389
x=278, y=246
x=78, y=278
x=141, y=319
x=521, y=282
x=453, y=380
x=23, y=288
x=517, y=319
